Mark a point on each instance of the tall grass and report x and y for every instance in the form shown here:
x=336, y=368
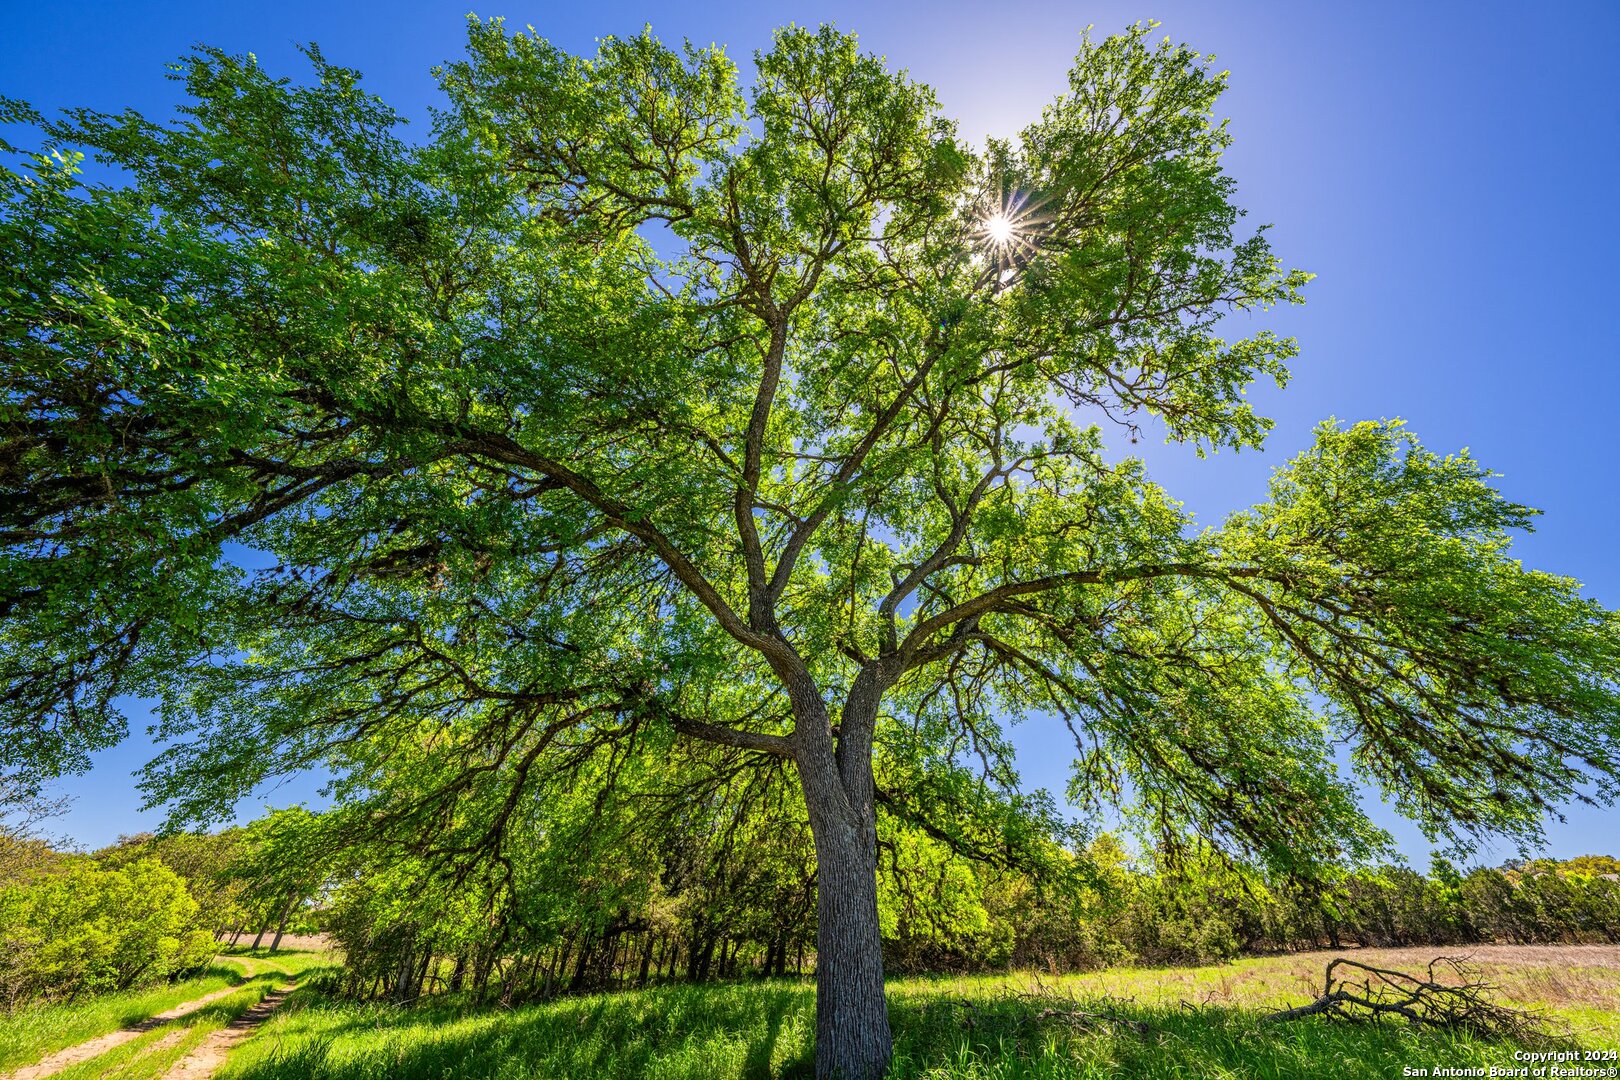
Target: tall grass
x=31, y=1033
x=962, y=1029
x=152, y=1054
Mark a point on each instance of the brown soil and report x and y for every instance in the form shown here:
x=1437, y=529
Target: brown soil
x=210, y=1055
x=167, y=1041
x=84, y=1051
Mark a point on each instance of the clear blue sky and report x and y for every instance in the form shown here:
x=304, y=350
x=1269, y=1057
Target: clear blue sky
x=1450, y=173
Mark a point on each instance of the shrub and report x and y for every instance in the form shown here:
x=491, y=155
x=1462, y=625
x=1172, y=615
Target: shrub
x=82, y=928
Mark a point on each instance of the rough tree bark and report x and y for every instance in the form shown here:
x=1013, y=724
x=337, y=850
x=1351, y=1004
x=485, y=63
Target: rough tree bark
x=853, y=1041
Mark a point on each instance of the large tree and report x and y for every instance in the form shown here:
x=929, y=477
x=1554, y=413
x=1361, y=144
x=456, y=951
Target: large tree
x=625, y=406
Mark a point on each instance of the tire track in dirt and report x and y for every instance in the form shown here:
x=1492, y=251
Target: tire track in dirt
x=54, y=1063
x=210, y=1055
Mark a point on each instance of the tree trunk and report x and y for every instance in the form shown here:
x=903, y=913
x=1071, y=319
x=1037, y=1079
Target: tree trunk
x=281, y=924
x=578, y=980
x=423, y=973
x=705, y=959
x=401, y=990
x=458, y=973
x=852, y=1018
x=534, y=973
x=646, y=960
x=694, y=953
x=853, y=1041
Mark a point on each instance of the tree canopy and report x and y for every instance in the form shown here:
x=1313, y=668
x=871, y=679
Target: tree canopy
x=631, y=409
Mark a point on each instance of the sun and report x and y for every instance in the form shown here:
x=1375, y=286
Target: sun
x=1008, y=228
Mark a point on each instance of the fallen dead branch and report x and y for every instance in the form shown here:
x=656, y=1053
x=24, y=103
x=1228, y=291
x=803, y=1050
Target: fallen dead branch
x=1084, y=1020
x=1360, y=992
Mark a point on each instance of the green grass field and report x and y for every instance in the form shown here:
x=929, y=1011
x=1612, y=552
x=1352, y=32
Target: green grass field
x=30, y=1034
x=151, y=1055
x=1204, y=1024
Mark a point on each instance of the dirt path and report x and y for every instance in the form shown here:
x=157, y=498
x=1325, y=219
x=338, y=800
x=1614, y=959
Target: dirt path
x=72, y=1055
x=208, y=1057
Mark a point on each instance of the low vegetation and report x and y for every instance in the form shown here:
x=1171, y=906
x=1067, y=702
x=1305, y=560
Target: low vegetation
x=1204, y=1021
x=28, y=1034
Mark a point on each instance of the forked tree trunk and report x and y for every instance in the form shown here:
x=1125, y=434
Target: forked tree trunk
x=853, y=1041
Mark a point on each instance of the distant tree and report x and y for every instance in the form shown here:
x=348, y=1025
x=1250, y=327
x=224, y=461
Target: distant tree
x=625, y=406
x=281, y=861
x=203, y=860
x=1592, y=864
x=22, y=855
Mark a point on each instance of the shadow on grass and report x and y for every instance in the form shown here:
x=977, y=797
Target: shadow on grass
x=755, y=1029
x=759, y=1030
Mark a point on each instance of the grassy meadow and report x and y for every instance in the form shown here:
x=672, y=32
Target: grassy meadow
x=1204, y=1023
x=30, y=1034
x=152, y=1054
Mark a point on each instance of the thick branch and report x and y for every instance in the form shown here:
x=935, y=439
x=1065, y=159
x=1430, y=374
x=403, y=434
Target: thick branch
x=725, y=736
x=623, y=517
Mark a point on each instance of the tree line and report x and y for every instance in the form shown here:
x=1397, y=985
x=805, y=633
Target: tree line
x=718, y=902
x=674, y=915
x=145, y=910
x=721, y=897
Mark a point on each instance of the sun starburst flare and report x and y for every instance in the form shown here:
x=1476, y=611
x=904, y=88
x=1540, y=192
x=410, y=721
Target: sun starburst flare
x=1008, y=229
x=999, y=228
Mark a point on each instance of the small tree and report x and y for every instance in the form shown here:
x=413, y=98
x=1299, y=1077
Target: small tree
x=627, y=406
x=281, y=861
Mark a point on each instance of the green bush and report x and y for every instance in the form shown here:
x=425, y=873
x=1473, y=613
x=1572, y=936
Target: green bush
x=83, y=928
